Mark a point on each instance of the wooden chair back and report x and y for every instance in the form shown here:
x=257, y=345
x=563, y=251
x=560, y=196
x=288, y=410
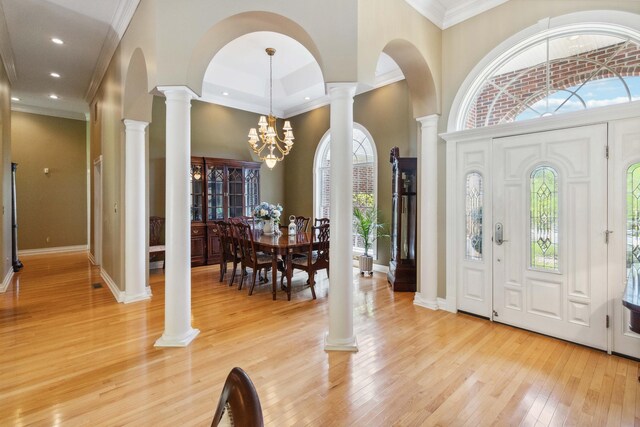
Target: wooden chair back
x=302, y=223
x=321, y=235
x=156, y=231
x=320, y=221
x=240, y=398
x=244, y=235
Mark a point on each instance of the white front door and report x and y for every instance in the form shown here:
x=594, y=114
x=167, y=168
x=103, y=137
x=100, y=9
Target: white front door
x=550, y=208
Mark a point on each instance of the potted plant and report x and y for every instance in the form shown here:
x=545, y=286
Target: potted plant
x=367, y=226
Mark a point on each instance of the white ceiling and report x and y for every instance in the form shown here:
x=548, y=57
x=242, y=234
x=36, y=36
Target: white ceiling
x=92, y=30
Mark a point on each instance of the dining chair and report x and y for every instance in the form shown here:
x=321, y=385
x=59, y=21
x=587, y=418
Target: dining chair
x=230, y=251
x=239, y=404
x=250, y=257
x=321, y=221
x=302, y=223
x=316, y=257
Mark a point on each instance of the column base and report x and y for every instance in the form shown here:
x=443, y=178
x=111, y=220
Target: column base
x=419, y=300
x=139, y=297
x=165, y=341
x=350, y=344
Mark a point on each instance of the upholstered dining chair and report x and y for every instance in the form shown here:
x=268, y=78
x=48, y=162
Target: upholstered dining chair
x=229, y=250
x=250, y=257
x=314, y=259
x=239, y=404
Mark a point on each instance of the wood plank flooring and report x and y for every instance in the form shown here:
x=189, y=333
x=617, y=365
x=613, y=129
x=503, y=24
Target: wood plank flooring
x=71, y=356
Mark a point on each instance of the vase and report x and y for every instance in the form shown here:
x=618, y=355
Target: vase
x=268, y=227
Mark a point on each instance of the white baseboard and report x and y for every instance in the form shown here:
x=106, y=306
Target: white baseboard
x=376, y=267
x=420, y=301
x=7, y=281
x=117, y=293
x=443, y=304
x=92, y=259
x=58, y=249
x=156, y=265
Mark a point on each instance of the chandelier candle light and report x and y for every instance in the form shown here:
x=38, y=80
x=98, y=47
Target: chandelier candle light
x=268, y=145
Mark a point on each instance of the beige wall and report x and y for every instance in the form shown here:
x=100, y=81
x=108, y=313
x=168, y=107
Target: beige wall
x=216, y=131
x=52, y=208
x=386, y=113
x=5, y=171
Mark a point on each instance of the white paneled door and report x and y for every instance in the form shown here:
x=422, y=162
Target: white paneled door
x=549, y=220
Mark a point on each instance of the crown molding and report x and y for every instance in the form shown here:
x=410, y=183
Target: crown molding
x=43, y=111
x=468, y=9
x=433, y=10
x=119, y=23
x=6, y=52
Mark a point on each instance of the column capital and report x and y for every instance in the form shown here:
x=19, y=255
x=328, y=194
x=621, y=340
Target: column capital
x=136, y=125
x=341, y=89
x=428, y=121
x=177, y=92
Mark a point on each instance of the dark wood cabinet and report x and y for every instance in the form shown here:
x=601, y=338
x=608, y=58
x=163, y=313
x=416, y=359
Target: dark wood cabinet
x=402, y=266
x=220, y=189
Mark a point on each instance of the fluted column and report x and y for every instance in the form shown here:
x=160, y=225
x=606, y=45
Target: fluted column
x=177, y=304
x=427, y=266
x=340, y=335
x=135, y=247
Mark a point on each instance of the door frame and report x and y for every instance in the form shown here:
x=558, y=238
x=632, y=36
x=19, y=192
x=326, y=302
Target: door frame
x=453, y=139
x=97, y=210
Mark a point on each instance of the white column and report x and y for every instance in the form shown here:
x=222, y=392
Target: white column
x=427, y=257
x=135, y=248
x=340, y=335
x=177, y=302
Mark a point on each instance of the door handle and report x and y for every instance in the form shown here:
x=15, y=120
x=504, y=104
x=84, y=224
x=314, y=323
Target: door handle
x=499, y=233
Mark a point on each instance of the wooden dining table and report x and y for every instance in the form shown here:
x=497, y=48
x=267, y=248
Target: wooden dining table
x=284, y=246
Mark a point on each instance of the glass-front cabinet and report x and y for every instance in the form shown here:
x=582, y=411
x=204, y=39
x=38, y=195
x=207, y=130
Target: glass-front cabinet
x=220, y=189
x=402, y=266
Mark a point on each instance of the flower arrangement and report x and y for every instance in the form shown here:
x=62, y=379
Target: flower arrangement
x=268, y=211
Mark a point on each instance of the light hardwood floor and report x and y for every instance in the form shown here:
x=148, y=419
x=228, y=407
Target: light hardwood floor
x=70, y=355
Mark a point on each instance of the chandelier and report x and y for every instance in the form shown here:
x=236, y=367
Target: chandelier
x=266, y=142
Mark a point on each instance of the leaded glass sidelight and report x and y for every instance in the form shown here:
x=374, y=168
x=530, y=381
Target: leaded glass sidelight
x=633, y=221
x=473, y=216
x=544, y=218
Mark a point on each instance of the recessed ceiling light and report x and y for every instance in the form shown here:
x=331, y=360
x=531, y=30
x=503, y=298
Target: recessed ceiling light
x=225, y=93
x=57, y=40
x=306, y=98
x=56, y=75
x=15, y=98
x=54, y=96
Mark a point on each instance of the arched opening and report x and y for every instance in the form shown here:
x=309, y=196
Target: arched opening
x=137, y=101
x=365, y=177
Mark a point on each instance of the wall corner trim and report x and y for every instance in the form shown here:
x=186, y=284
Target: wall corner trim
x=7, y=281
x=117, y=293
x=58, y=249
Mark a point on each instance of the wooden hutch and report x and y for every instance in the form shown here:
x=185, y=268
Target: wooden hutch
x=220, y=189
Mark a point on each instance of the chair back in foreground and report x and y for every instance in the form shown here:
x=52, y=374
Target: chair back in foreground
x=239, y=400
x=229, y=251
x=302, y=223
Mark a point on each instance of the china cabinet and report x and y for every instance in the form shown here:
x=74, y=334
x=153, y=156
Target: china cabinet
x=220, y=189
x=402, y=266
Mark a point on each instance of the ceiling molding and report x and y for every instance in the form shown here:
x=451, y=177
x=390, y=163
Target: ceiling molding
x=43, y=111
x=468, y=9
x=119, y=23
x=444, y=17
x=6, y=52
x=433, y=10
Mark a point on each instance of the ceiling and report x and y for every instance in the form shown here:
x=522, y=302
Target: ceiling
x=91, y=31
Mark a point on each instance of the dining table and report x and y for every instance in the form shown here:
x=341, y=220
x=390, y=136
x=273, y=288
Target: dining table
x=285, y=246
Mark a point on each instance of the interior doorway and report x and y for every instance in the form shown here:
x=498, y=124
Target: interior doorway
x=97, y=210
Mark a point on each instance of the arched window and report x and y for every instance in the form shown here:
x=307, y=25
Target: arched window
x=364, y=176
x=473, y=216
x=562, y=70
x=633, y=222
x=544, y=219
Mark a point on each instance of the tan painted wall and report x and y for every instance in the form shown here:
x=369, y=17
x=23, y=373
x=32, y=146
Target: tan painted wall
x=52, y=208
x=386, y=113
x=5, y=171
x=216, y=131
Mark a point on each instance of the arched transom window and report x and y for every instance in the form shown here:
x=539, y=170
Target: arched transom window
x=564, y=72
x=364, y=176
